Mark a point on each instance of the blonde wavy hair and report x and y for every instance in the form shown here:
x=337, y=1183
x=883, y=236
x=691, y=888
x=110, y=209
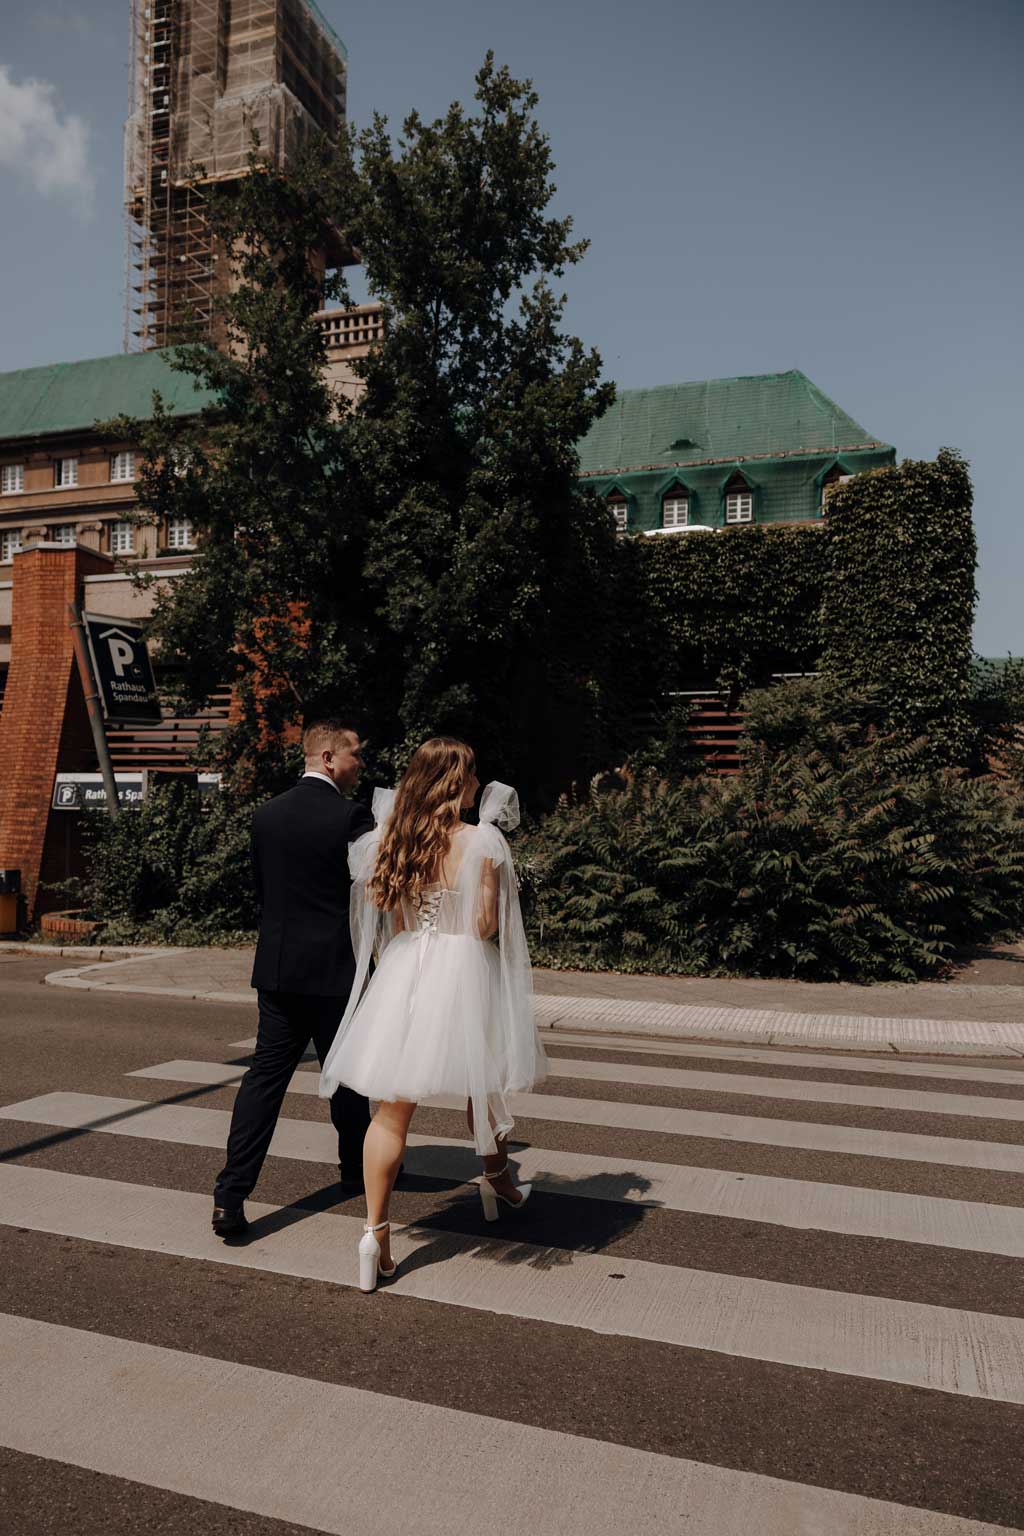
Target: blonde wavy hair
x=426, y=813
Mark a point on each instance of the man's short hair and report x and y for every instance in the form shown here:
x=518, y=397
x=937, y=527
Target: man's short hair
x=324, y=733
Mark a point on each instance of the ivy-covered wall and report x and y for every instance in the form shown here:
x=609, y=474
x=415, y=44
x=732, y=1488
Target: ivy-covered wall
x=899, y=592
x=880, y=594
x=728, y=608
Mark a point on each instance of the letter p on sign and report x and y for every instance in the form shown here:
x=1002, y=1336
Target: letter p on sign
x=121, y=654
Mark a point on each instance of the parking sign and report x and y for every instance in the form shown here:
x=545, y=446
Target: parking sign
x=122, y=669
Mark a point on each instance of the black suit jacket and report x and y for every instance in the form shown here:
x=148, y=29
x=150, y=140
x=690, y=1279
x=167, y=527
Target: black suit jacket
x=300, y=862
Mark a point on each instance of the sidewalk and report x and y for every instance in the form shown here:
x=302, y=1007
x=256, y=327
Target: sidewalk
x=979, y=1013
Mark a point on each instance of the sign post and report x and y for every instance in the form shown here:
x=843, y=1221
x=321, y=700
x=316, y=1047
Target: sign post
x=93, y=706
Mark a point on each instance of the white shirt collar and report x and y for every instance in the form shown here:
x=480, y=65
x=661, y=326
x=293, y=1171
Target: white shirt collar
x=311, y=773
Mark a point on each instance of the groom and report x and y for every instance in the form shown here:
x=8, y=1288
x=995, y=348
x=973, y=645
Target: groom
x=304, y=962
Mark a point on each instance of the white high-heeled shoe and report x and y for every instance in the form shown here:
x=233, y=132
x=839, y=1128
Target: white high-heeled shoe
x=489, y=1196
x=369, y=1258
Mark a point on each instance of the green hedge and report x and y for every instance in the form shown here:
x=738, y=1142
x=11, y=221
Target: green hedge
x=732, y=606
x=899, y=593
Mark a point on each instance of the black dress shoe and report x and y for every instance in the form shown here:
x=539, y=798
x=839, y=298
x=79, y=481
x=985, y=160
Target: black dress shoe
x=228, y=1221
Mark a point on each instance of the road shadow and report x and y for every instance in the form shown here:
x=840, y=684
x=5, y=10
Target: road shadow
x=547, y=1233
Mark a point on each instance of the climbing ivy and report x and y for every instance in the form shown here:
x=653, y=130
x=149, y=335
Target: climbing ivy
x=727, y=609
x=898, y=596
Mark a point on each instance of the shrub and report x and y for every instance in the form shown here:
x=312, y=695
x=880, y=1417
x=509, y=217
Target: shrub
x=844, y=854
x=174, y=870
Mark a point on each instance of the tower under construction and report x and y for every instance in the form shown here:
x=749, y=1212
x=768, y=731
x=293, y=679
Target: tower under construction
x=204, y=75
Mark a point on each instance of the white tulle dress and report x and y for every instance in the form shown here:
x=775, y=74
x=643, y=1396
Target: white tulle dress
x=446, y=1013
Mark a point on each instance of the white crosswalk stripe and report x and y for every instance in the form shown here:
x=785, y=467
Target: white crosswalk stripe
x=130, y=1410
x=125, y=1405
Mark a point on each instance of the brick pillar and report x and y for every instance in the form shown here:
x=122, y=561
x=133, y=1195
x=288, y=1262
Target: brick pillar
x=44, y=726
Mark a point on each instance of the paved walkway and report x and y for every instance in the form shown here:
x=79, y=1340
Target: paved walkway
x=973, y=1014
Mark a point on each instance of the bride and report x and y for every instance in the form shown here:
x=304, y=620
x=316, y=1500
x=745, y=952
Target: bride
x=447, y=1010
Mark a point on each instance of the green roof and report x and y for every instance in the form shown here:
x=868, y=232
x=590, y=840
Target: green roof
x=68, y=397
x=765, y=415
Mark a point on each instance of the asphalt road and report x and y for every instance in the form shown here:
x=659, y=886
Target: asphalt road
x=806, y=1317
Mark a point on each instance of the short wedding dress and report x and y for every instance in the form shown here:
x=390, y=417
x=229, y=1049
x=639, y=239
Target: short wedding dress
x=446, y=1013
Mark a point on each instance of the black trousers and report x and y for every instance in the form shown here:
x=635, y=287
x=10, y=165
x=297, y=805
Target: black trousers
x=288, y=1020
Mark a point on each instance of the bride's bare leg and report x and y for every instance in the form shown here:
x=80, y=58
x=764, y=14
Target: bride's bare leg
x=506, y=1184
x=382, y=1158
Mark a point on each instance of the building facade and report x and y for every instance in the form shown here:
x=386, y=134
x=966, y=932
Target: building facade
x=205, y=76
x=723, y=453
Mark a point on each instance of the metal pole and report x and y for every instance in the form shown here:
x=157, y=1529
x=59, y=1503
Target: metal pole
x=94, y=707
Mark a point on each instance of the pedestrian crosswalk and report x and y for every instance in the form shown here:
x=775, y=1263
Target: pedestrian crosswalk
x=847, y=1254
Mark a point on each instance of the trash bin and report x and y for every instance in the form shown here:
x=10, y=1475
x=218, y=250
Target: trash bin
x=10, y=900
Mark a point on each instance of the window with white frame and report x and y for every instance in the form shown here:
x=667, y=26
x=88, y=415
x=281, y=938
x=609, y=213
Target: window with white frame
x=179, y=533
x=12, y=479
x=122, y=466
x=62, y=533
x=65, y=472
x=121, y=538
x=739, y=507
x=620, y=512
x=10, y=543
x=675, y=510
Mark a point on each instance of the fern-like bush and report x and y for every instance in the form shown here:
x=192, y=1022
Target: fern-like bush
x=842, y=853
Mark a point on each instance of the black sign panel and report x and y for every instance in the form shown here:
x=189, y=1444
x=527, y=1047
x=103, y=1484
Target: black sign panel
x=121, y=665
x=73, y=791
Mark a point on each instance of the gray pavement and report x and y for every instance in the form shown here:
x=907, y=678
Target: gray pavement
x=980, y=1010
x=755, y=1290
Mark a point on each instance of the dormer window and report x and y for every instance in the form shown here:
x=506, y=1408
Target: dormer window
x=834, y=477
x=739, y=501
x=675, y=508
x=619, y=511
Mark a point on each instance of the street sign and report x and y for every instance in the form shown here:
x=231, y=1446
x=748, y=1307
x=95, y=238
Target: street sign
x=85, y=791
x=122, y=669
x=78, y=791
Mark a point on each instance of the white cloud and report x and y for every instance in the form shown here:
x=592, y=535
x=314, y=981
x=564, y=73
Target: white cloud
x=51, y=150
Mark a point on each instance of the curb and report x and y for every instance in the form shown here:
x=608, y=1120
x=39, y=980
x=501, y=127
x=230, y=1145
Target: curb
x=96, y=952
x=666, y=1021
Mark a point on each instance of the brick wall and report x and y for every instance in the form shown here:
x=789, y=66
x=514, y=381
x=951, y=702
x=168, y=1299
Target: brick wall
x=44, y=726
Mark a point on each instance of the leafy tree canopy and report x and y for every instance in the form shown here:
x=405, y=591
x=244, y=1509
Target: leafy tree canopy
x=422, y=561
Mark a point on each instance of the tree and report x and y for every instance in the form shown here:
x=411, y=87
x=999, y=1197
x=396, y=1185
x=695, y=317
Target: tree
x=487, y=563
x=425, y=560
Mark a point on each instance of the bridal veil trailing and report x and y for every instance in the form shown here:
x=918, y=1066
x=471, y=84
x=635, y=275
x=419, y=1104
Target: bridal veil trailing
x=448, y=1010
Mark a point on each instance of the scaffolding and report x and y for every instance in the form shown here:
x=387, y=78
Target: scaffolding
x=204, y=74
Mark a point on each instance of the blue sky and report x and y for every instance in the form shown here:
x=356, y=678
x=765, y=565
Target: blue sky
x=836, y=188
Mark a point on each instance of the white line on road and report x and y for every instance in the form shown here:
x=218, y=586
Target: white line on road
x=886, y=1066
x=970, y=1354
x=798, y=1090
x=798, y=1203
x=171, y=1420
x=313, y=1141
